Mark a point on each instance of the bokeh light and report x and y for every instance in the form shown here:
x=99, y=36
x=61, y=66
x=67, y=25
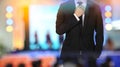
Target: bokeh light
x=9, y=9
x=108, y=20
x=9, y=15
x=9, y=28
x=18, y=45
x=9, y=21
x=108, y=14
x=108, y=27
x=108, y=8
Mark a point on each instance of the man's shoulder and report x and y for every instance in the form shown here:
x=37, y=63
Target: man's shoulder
x=63, y=3
x=93, y=3
x=67, y=2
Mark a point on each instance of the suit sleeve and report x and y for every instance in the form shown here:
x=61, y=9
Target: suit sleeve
x=99, y=38
x=64, y=25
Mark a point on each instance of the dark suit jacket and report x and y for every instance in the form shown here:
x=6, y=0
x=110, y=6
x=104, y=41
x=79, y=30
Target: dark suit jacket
x=80, y=38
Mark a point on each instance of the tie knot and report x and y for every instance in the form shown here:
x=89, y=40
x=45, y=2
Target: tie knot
x=79, y=3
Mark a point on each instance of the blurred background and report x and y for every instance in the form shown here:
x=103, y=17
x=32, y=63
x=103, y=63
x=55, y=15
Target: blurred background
x=28, y=36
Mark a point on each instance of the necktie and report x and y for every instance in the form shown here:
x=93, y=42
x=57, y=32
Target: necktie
x=80, y=6
x=79, y=3
x=80, y=20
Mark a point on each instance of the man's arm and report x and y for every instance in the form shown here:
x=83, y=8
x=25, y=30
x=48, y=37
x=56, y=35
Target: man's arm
x=64, y=25
x=99, y=38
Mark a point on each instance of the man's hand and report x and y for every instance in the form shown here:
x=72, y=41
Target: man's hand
x=79, y=11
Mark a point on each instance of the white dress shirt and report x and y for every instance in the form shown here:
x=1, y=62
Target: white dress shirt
x=84, y=3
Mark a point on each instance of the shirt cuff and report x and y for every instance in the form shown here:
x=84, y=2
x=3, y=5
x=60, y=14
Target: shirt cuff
x=76, y=17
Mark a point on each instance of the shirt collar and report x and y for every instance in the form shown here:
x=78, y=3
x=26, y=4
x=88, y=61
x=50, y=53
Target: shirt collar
x=84, y=2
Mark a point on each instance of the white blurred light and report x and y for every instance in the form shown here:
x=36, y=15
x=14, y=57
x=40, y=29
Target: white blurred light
x=108, y=27
x=9, y=21
x=108, y=8
x=9, y=8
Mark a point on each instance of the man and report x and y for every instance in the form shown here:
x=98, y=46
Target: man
x=79, y=22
